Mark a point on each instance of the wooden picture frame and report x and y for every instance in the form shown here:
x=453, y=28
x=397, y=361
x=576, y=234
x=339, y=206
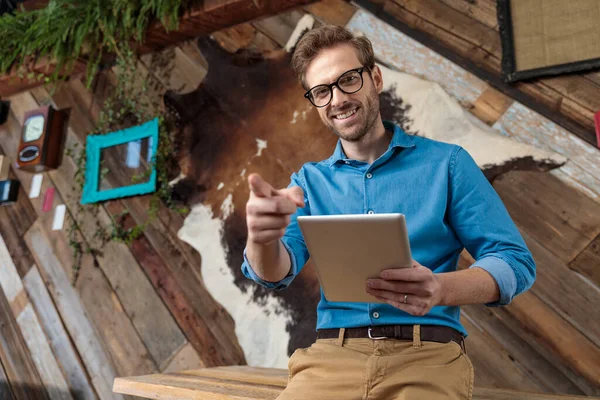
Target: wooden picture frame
x=94, y=146
x=510, y=71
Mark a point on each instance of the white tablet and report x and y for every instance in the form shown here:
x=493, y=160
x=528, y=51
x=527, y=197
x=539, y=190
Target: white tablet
x=349, y=249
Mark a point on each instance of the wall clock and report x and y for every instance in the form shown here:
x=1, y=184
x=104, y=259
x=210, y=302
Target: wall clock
x=42, y=139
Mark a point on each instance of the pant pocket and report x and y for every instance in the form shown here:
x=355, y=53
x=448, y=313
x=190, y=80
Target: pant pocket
x=437, y=371
x=471, y=383
x=292, y=362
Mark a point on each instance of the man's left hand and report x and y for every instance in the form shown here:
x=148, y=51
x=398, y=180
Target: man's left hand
x=413, y=290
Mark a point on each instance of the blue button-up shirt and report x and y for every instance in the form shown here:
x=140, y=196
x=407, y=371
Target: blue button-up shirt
x=448, y=203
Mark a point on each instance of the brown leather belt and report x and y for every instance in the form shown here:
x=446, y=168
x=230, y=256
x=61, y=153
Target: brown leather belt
x=429, y=333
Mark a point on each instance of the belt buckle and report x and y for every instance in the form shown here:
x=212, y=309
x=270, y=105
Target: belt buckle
x=375, y=338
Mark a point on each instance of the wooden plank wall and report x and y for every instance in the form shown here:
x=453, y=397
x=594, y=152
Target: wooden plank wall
x=476, y=93
x=142, y=308
x=114, y=315
x=466, y=32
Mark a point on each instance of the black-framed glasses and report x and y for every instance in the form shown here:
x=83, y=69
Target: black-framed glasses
x=349, y=82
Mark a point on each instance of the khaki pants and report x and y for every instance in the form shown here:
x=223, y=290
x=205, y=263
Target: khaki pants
x=387, y=369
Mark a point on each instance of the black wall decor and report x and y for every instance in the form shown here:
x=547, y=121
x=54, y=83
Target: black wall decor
x=510, y=70
x=8, y=5
x=9, y=190
x=4, y=111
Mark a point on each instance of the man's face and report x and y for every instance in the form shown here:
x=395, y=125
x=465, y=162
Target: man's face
x=349, y=116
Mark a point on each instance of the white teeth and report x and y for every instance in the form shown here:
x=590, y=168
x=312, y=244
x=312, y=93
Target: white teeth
x=346, y=115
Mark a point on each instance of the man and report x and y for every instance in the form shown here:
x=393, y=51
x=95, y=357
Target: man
x=411, y=346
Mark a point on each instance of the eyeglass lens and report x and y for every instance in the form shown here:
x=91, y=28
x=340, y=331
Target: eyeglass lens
x=348, y=83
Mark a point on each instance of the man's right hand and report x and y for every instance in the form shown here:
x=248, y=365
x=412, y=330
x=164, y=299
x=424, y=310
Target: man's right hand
x=268, y=210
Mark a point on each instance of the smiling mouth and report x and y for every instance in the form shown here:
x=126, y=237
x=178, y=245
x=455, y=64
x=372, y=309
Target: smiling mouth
x=346, y=115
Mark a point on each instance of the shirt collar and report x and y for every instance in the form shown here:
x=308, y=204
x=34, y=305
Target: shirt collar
x=399, y=139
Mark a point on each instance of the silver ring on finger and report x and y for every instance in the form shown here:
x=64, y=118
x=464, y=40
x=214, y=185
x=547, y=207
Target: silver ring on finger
x=405, y=299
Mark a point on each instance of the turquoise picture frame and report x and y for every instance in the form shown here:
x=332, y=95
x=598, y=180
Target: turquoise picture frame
x=94, y=146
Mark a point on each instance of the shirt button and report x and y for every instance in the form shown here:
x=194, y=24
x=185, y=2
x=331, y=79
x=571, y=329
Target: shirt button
x=371, y=212
x=369, y=175
x=347, y=162
x=375, y=315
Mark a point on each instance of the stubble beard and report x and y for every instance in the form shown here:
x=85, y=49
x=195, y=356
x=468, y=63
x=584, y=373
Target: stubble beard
x=370, y=112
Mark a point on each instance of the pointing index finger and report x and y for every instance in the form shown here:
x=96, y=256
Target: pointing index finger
x=260, y=187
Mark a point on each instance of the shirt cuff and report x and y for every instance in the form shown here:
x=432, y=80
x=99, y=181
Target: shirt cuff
x=503, y=274
x=282, y=284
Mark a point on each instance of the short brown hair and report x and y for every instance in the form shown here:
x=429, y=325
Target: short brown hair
x=324, y=37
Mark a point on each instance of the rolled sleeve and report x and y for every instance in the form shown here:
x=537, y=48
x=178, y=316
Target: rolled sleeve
x=504, y=276
x=293, y=241
x=486, y=230
x=282, y=284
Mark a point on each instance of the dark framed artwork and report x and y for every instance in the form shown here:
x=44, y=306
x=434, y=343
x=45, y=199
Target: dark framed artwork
x=548, y=37
x=4, y=111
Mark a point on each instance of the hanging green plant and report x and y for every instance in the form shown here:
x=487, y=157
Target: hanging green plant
x=69, y=30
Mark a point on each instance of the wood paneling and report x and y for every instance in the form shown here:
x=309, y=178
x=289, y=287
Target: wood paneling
x=490, y=105
x=334, y=12
x=168, y=247
x=493, y=366
x=5, y=389
x=187, y=358
x=59, y=339
x=236, y=37
x=166, y=284
x=174, y=271
x=10, y=281
x=109, y=317
x=543, y=365
x=588, y=262
x=204, y=20
x=467, y=39
x=564, y=291
x=410, y=56
x=279, y=27
x=454, y=22
x=16, y=359
x=575, y=349
x=483, y=11
x=88, y=343
x=29, y=325
x=156, y=327
x=518, y=121
x=562, y=218
x=14, y=222
x=229, y=352
x=10, y=84
x=498, y=394
x=180, y=68
x=43, y=358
